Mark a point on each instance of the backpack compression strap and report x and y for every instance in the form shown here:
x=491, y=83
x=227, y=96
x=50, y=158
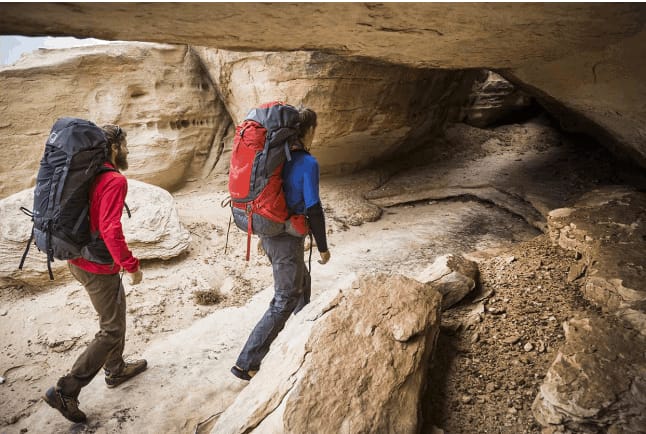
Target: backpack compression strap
x=249, y=230
x=31, y=237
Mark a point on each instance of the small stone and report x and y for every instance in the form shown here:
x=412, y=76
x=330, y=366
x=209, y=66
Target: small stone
x=465, y=399
x=541, y=347
x=2, y=380
x=496, y=311
x=511, y=339
x=490, y=387
x=528, y=347
x=4, y=312
x=512, y=410
x=475, y=338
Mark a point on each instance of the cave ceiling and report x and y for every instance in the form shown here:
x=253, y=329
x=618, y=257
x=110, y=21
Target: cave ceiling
x=581, y=58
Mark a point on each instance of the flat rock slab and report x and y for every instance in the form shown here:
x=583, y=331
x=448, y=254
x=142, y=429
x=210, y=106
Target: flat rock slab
x=584, y=391
x=606, y=227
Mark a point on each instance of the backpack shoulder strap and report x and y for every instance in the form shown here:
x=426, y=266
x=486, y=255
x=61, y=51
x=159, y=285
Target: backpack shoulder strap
x=104, y=169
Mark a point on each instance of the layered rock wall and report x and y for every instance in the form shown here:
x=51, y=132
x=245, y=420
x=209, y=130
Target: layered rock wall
x=585, y=391
x=606, y=228
x=366, y=110
x=159, y=94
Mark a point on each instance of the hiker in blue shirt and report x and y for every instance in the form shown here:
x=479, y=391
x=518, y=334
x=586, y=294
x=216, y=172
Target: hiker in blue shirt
x=285, y=251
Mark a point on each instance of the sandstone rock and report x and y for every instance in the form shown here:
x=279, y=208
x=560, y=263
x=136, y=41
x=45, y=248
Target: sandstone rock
x=586, y=91
x=582, y=59
x=153, y=232
x=492, y=99
x=366, y=110
x=352, y=362
x=453, y=276
x=606, y=227
x=159, y=94
x=585, y=390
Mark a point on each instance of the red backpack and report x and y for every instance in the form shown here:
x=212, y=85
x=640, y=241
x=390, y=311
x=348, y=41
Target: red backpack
x=260, y=148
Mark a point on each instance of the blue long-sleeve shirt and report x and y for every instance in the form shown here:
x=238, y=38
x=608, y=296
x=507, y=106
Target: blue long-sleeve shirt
x=301, y=185
x=301, y=182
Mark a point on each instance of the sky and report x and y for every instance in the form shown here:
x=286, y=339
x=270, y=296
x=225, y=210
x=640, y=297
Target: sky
x=11, y=47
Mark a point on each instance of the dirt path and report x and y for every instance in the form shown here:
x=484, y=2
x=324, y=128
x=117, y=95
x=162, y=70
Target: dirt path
x=191, y=346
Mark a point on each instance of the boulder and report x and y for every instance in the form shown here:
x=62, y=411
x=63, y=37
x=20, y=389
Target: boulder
x=352, y=361
x=583, y=390
x=453, y=276
x=606, y=227
x=153, y=232
x=366, y=110
x=159, y=94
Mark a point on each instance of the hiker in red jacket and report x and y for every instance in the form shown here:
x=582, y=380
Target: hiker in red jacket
x=98, y=271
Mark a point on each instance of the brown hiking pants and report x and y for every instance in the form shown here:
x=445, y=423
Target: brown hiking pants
x=106, y=349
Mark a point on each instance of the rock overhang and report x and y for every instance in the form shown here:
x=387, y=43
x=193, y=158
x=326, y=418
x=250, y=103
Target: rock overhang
x=585, y=56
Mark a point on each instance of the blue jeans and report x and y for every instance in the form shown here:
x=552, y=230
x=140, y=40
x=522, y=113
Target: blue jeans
x=291, y=293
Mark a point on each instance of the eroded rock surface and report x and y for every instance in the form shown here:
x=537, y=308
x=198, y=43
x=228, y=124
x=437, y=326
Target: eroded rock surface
x=493, y=99
x=583, y=58
x=366, y=110
x=159, y=94
x=584, y=391
x=351, y=362
x=153, y=232
x=606, y=227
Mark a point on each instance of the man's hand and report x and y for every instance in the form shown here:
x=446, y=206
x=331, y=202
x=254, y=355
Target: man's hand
x=135, y=277
x=325, y=256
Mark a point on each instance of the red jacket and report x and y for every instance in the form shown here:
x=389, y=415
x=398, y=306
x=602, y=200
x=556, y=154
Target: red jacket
x=107, y=197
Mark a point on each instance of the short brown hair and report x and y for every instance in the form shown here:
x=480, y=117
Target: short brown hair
x=114, y=134
x=306, y=120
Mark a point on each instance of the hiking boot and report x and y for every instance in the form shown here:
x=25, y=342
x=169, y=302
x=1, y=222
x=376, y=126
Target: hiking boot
x=129, y=370
x=66, y=405
x=242, y=374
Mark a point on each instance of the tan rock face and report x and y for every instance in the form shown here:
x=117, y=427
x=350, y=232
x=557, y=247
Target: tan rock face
x=605, y=227
x=583, y=388
x=366, y=110
x=153, y=232
x=159, y=94
x=583, y=57
x=354, y=362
